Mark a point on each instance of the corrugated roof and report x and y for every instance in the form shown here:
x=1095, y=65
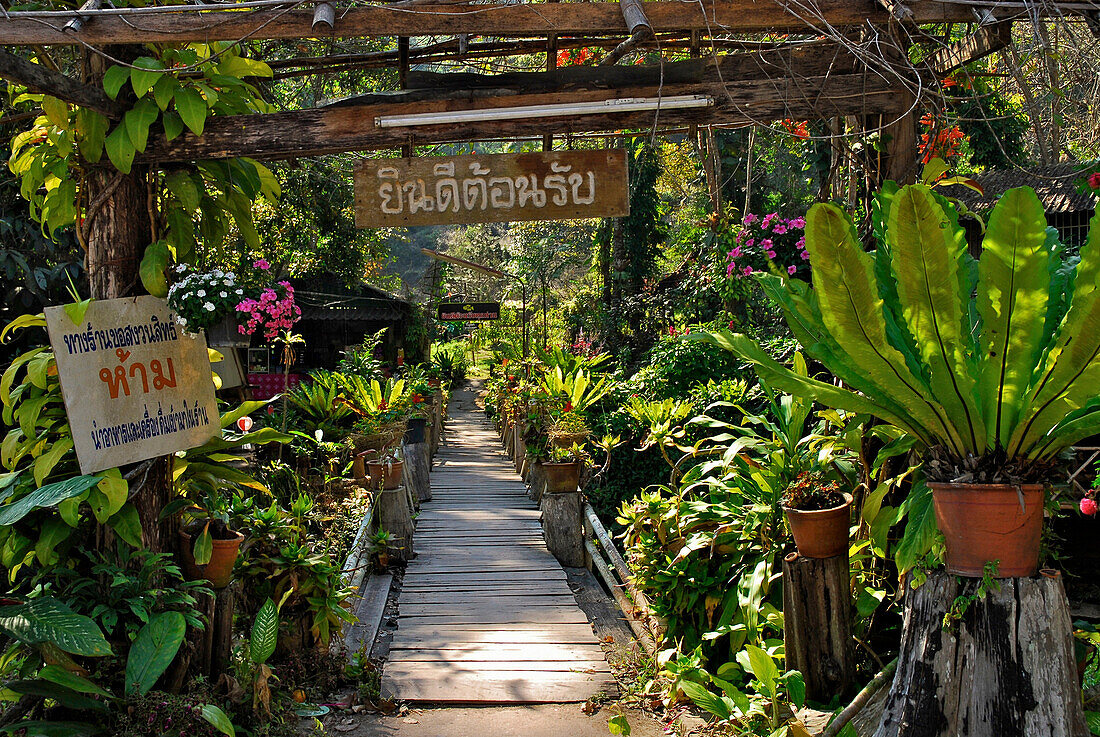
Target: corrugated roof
x=353, y=314
x=1055, y=185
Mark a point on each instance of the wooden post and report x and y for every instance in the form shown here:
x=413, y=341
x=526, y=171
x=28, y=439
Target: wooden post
x=395, y=517
x=817, y=623
x=222, y=631
x=437, y=421
x=537, y=483
x=1004, y=667
x=418, y=467
x=562, y=524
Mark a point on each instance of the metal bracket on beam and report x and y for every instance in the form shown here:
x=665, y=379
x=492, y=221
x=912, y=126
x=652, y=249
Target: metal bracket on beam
x=639, y=27
x=898, y=10
x=324, y=15
x=76, y=25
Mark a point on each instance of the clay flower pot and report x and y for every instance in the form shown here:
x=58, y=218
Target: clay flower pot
x=986, y=522
x=219, y=571
x=386, y=474
x=821, y=533
x=561, y=477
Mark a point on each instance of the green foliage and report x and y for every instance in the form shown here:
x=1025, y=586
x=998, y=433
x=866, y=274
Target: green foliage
x=46, y=620
x=265, y=632
x=675, y=365
x=153, y=650
x=1007, y=377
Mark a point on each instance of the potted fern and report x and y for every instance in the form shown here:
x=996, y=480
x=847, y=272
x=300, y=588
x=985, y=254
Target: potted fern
x=990, y=364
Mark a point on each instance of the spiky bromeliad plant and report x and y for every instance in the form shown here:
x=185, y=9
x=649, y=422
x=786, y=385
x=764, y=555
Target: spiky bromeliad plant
x=992, y=364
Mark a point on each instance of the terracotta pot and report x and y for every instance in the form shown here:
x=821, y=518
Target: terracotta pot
x=561, y=477
x=219, y=571
x=987, y=522
x=359, y=467
x=821, y=533
x=386, y=474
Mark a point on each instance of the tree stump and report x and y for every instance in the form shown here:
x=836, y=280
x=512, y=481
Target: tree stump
x=395, y=517
x=418, y=468
x=1005, y=667
x=562, y=525
x=817, y=623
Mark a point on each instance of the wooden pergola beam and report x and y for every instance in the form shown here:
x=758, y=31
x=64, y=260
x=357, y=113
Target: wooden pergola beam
x=986, y=40
x=352, y=127
x=37, y=77
x=514, y=20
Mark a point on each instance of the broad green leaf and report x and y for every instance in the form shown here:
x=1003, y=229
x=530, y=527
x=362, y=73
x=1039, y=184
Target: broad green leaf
x=77, y=310
x=1012, y=302
x=57, y=112
x=164, y=90
x=852, y=311
x=1068, y=375
x=618, y=725
x=114, y=488
x=217, y=718
x=704, y=699
x=152, y=269
x=204, y=546
x=148, y=72
x=127, y=525
x=47, y=496
x=927, y=251
x=120, y=150
x=173, y=125
x=191, y=108
x=113, y=80
x=64, y=696
x=796, y=687
x=53, y=532
x=920, y=528
x=153, y=650
x=62, y=677
x=241, y=67
x=138, y=120
x=265, y=633
x=47, y=620
x=91, y=129
x=182, y=186
x=763, y=667
x=45, y=463
x=245, y=408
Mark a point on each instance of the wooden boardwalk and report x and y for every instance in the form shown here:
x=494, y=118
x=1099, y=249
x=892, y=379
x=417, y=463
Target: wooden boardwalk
x=485, y=612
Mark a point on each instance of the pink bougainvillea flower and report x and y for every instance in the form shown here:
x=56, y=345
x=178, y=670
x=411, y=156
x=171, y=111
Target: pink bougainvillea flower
x=1089, y=507
x=749, y=219
x=747, y=270
x=261, y=264
x=1094, y=180
x=770, y=254
x=805, y=255
x=736, y=253
x=730, y=268
x=791, y=269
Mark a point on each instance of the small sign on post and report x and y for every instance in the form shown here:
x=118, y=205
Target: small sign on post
x=488, y=188
x=135, y=385
x=471, y=311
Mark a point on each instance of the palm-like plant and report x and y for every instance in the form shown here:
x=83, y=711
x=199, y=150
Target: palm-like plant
x=992, y=363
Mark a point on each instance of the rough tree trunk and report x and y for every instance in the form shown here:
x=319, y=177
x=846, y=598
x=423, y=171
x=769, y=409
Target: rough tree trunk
x=817, y=623
x=1005, y=668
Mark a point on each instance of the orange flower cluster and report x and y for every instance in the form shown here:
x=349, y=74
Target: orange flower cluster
x=797, y=128
x=939, y=142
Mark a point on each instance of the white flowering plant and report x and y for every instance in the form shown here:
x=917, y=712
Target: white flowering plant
x=202, y=299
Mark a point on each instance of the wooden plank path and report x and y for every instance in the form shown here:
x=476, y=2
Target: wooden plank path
x=485, y=612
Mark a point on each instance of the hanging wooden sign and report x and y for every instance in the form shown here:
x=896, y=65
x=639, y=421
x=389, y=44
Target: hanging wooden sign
x=135, y=385
x=486, y=188
x=469, y=311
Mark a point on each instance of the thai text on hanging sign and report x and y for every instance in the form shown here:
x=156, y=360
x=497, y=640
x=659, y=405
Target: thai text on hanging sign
x=483, y=188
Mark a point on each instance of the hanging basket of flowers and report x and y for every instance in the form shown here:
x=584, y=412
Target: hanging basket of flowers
x=230, y=309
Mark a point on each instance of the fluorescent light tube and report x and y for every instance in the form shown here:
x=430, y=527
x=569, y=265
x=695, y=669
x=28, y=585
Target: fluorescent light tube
x=623, y=105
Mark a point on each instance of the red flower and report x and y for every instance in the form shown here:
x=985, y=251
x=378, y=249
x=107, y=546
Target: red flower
x=1094, y=180
x=1088, y=506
